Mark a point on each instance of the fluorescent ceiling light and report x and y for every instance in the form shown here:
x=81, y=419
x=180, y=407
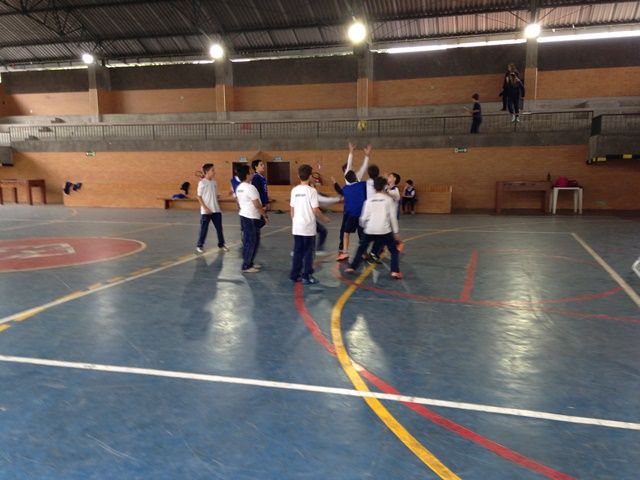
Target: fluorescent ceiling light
x=589, y=36
x=447, y=46
x=532, y=30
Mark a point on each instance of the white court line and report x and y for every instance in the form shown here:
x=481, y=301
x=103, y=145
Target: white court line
x=68, y=298
x=612, y=273
x=201, y=377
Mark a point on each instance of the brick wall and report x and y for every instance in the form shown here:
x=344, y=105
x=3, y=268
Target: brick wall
x=589, y=82
x=62, y=103
x=135, y=179
x=175, y=100
x=295, y=97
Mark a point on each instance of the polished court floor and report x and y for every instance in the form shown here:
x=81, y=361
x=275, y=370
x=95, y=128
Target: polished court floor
x=511, y=350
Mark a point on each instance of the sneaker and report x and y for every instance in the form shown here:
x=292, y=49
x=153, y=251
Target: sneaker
x=342, y=256
x=310, y=281
x=224, y=248
x=397, y=275
x=349, y=270
x=67, y=187
x=296, y=280
x=251, y=270
x=322, y=253
x=257, y=265
x=518, y=119
x=199, y=250
x=513, y=118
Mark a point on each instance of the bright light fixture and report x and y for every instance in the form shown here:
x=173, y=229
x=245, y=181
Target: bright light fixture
x=88, y=58
x=216, y=51
x=589, y=36
x=532, y=30
x=357, y=32
x=447, y=46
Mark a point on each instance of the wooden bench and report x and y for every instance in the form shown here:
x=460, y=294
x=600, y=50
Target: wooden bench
x=168, y=201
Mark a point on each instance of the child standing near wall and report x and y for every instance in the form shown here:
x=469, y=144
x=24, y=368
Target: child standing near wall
x=409, y=198
x=304, y=210
x=476, y=113
x=209, y=208
x=380, y=225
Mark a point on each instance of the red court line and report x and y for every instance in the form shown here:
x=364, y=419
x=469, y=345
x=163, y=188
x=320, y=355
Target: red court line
x=499, y=304
x=464, y=432
x=517, y=305
x=465, y=296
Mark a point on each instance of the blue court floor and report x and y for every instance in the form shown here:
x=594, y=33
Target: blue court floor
x=511, y=350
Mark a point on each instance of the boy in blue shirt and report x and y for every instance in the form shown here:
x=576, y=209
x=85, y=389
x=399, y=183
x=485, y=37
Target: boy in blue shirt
x=355, y=194
x=260, y=181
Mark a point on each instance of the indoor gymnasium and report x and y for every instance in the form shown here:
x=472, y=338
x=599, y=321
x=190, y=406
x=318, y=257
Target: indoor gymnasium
x=331, y=239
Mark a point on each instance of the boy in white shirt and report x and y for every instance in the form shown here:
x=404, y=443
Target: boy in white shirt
x=251, y=212
x=209, y=208
x=380, y=223
x=304, y=210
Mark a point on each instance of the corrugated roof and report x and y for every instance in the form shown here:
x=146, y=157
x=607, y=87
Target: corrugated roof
x=121, y=29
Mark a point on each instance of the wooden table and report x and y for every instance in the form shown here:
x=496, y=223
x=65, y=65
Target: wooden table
x=15, y=183
x=522, y=186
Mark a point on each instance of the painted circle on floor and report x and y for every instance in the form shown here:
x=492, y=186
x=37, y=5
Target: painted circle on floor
x=53, y=252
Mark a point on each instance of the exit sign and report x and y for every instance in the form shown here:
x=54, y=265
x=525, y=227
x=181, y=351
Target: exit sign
x=460, y=150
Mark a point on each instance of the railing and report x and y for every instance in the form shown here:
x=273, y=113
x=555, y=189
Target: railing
x=381, y=127
x=618, y=124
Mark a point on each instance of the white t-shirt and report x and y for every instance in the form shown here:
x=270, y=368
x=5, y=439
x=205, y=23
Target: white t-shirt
x=371, y=191
x=303, y=200
x=379, y=215
x=208, y=191
x=246, y=194
x=394, y=192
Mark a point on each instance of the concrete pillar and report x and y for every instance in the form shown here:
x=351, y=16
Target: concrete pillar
x=365, y=80
x=224, y=88
x=531, y=73
x=99, y=85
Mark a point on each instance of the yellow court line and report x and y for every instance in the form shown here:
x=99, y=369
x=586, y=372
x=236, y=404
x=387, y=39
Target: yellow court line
x=428, y=458
x=115, y=279
x=142, y=270
x=95, y=285
x=28, y=314
x=4, y=327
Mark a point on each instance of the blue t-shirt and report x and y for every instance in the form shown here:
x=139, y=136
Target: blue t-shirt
x=476, y=106
x=354, y=197
x=260, y=183
x=235, y=181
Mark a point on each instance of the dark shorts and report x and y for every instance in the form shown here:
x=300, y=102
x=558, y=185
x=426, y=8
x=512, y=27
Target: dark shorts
x=350, y=223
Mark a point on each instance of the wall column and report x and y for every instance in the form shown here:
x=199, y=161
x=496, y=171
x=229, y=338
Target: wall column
x=365, y=80
x=99, y=83
x=224, y=88
x=531, y=72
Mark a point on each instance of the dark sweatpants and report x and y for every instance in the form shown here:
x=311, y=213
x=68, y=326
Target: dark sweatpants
x=302, y=264
x=388, y=240
x=250, y=240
